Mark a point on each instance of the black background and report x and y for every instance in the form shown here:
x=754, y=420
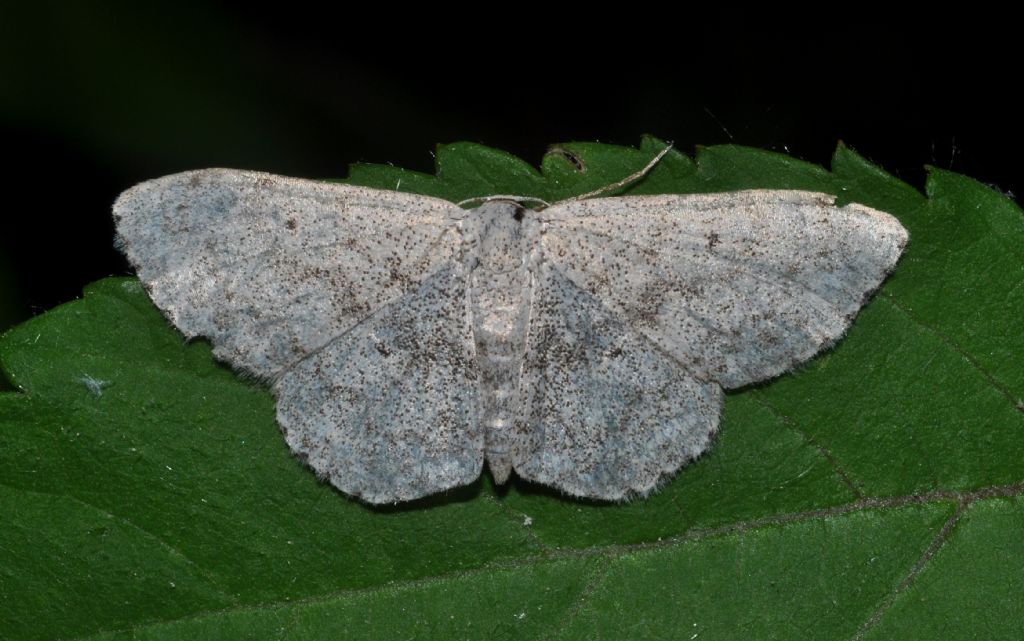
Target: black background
x=95, y=97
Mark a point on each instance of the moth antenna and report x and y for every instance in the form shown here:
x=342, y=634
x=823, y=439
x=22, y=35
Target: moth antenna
x=628, y=180
x=518, y=199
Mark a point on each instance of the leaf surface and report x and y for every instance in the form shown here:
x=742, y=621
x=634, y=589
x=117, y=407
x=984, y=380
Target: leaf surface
x=874, y=493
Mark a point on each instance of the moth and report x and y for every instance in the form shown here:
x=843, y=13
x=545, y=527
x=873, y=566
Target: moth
x=584, y=345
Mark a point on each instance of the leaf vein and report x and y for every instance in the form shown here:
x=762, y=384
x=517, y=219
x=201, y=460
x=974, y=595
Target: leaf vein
x=210, y=577
x=998, y=385
x=616, y=551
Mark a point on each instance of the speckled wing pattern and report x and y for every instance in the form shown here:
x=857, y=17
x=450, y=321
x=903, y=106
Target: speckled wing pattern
x=606, y=414
x=388, y=412
x=271, y=268
x=355, y=304
x=646, y=307
x=351, y=300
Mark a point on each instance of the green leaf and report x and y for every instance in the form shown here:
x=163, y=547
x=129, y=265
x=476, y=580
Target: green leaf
x=875, y=493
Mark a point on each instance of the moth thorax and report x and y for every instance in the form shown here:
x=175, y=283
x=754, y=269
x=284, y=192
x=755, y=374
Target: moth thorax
x=498, y=229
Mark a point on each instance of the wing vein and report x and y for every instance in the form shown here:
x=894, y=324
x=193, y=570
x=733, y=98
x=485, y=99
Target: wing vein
x=355, y=326
x=676, y=279
x=722, y=259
